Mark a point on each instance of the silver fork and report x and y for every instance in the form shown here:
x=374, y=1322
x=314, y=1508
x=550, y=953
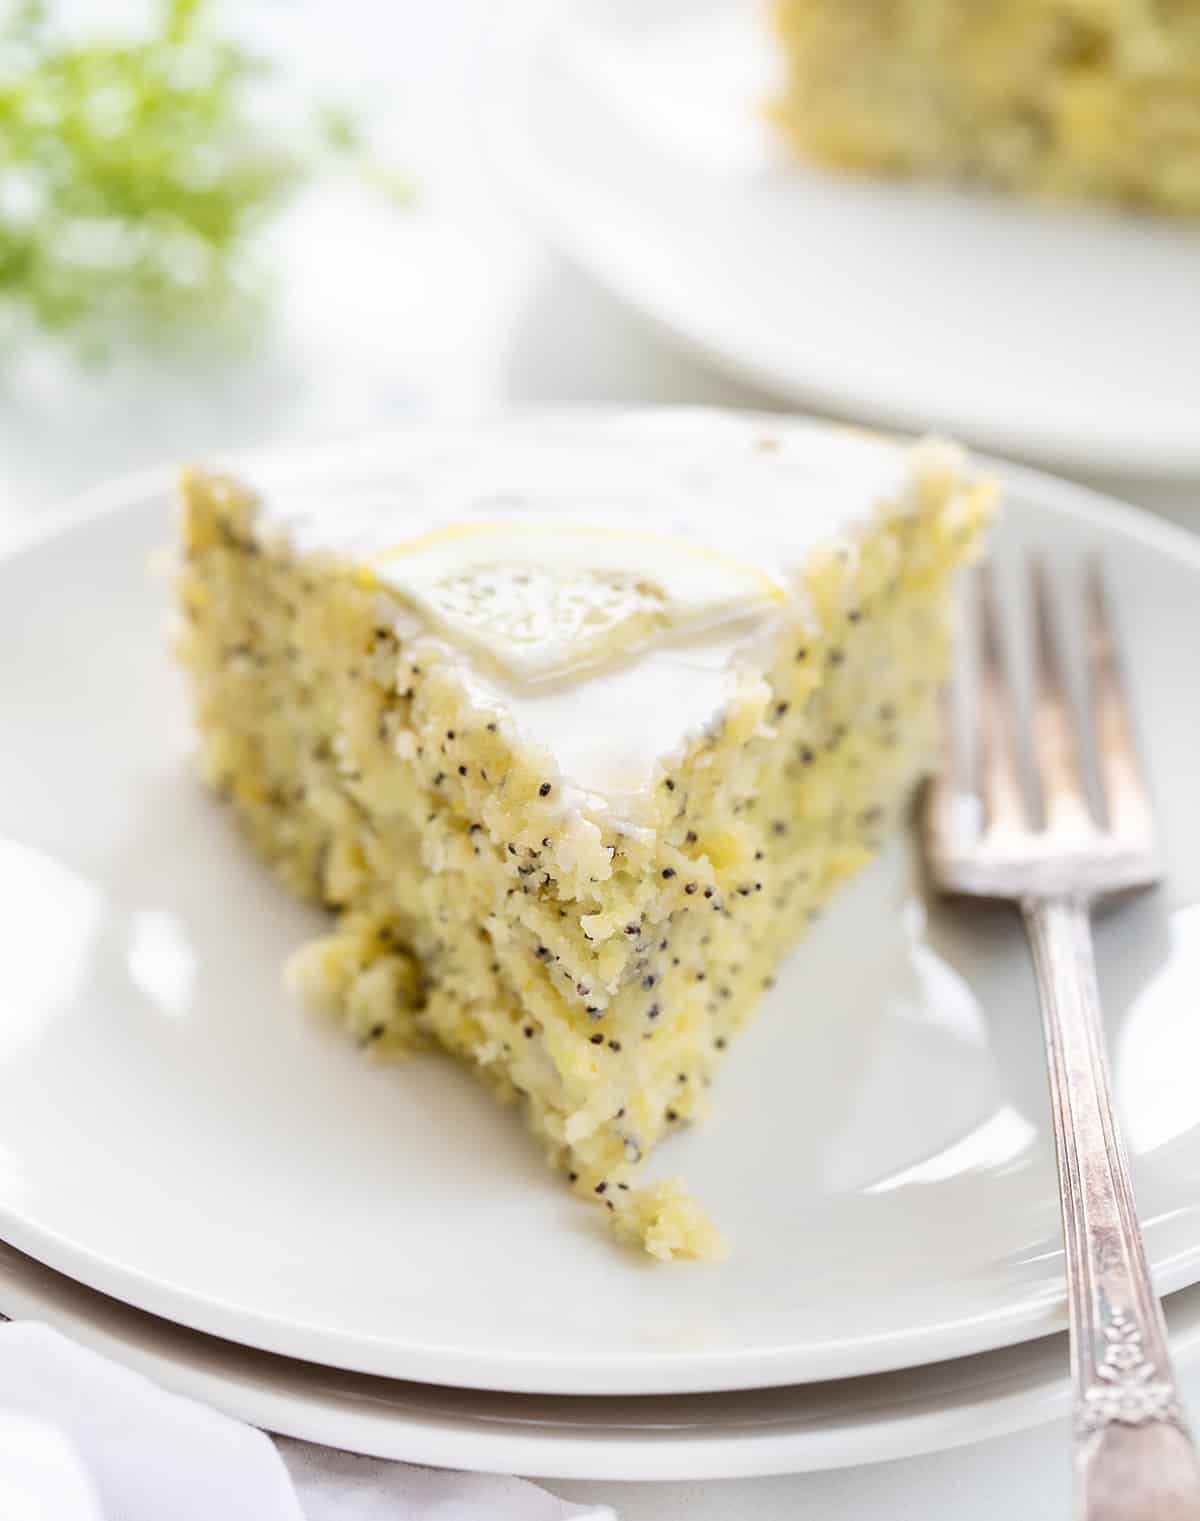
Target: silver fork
x=1134, y=1456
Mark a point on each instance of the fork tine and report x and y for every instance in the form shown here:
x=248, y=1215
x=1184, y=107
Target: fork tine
x=999, y=763
x=1064, y=790
x=1127, y=800
x=952, y=804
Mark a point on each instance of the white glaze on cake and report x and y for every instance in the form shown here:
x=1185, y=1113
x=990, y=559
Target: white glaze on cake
x=719, y=512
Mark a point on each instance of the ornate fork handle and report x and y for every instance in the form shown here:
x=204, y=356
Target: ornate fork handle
x=1135, y=1459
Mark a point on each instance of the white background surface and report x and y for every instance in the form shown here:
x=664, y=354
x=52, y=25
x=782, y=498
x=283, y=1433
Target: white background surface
x=451, y=308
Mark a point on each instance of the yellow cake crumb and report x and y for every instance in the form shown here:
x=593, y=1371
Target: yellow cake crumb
x=667, y=1222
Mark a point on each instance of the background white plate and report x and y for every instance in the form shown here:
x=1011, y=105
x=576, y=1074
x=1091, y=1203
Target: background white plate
x=174, y=1131
x=634, y=132
x=700, y=1436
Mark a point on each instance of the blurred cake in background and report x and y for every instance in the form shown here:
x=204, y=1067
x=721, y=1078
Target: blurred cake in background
x=1063, y=98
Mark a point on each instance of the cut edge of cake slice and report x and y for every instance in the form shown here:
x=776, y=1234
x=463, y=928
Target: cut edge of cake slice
x=577, y=877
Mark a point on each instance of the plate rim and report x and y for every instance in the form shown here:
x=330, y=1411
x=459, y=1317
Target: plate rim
x=505, y=57
x=679, y=1374
x=261, y=1388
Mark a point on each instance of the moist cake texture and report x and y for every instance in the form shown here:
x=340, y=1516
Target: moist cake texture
x=573, y=725
x=1065, y=98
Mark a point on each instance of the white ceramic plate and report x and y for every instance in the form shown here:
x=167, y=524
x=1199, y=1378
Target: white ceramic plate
x=175, y=1131
x=799, y=1429
x=634, y=132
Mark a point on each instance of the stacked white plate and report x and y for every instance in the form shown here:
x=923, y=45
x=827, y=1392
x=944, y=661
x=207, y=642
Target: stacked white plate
x=202, y=1180
x=636, y=135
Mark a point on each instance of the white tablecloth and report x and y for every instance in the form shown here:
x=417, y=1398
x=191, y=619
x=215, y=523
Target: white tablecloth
x=84, y=1439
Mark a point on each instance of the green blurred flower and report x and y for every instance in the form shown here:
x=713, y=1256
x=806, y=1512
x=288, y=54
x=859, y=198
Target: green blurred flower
x=133, y=176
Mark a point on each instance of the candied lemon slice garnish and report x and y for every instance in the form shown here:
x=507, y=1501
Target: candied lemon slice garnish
x=542, y=599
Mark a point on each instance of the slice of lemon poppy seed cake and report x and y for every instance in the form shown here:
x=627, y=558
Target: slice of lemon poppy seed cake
x=573, y=724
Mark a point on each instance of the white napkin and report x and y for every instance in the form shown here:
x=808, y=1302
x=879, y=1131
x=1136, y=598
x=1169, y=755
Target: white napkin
x=84, y=1439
